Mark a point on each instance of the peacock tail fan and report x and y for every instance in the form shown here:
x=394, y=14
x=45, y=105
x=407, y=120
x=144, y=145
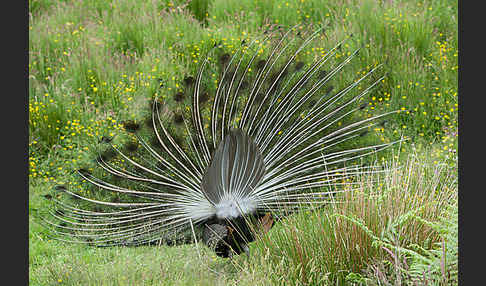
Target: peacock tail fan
x=272, y=127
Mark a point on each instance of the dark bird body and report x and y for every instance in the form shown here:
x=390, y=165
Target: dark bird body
x=268, y=140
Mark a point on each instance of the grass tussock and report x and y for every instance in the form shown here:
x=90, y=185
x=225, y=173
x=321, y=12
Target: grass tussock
x=387, y=216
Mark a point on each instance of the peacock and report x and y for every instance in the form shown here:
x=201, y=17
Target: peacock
x=255, y=134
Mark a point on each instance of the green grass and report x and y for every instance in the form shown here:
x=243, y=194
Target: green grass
x=94, y=63
x=403, y=212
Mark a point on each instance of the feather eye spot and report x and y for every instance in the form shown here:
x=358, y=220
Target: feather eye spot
x=178, y=97
x=178, y=141
x=60, y=188
x=107, y=155
x=84, y=172
x=299, y=66
x=224, y=59
x=329, y=90
x=244, y=85
x=178, y=119
x=203, y=98
x=131, y=126
x=259, y=97
x=131, y=146
x=322, y=74
x=260, y=64
x=188, y=81
x=106, y=139
x=149, y=122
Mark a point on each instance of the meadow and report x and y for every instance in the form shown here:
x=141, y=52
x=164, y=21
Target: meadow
x=94, y=63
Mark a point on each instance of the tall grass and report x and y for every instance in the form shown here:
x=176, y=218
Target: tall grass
x=386, y=214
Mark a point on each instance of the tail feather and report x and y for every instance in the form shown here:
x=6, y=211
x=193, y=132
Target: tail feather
x=235, y=171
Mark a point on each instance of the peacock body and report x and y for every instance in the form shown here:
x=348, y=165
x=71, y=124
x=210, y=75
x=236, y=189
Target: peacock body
x=222, y=159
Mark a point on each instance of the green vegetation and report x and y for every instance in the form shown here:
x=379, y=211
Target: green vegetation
x=377, y=227
x=95, y=63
